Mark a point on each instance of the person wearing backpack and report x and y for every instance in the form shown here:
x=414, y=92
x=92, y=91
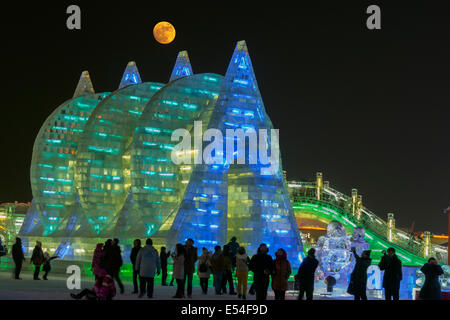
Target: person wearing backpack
x=242, y=262
x=204, y=270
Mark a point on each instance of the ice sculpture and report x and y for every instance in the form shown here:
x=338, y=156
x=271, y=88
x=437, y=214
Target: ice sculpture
x=158, y=183
x=358, y=242
x=84, y=86
x=223, y=200
x=52, y=164
x=102, y=174
x=130, y=76
x=182, y=67
x=333, y=253
x=102, y=165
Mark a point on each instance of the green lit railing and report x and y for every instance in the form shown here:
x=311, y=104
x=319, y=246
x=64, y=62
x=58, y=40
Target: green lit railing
x=358, y=215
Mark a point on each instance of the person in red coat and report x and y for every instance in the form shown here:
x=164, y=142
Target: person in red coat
x=281, y=276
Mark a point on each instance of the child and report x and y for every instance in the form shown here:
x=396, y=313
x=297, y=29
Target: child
x=47, y=267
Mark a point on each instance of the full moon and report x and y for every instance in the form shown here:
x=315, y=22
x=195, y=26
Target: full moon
x=164, y=32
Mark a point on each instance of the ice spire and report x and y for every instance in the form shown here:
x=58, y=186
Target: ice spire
x=130, y=76
x=240, y=71
x=84, y=85
x=182, y=67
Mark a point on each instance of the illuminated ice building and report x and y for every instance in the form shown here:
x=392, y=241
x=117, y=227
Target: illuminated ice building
x=102, y=167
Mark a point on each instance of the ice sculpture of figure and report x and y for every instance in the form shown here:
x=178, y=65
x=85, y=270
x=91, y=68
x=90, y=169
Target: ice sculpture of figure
x=358, y=242
x=333, y=253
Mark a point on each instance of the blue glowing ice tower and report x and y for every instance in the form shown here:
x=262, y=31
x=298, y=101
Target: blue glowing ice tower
x=182, y=67
x=130, y=76
x=242, y=200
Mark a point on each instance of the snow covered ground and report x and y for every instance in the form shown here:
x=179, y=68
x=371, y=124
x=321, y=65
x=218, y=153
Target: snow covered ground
x=55, y=289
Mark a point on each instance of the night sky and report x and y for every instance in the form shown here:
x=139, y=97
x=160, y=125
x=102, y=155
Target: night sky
x=370, y=109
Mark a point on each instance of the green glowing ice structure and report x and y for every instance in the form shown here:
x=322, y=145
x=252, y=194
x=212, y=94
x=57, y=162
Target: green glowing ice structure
x=52, y=168
x=103, y=167
x=158, y=184
x=102, y=174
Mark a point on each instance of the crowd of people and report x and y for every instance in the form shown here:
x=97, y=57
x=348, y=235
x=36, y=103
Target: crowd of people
x=222, y=264
x=39, y=259
x=232, y=259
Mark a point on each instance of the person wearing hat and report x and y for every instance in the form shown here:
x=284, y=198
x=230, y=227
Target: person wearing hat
x=305, y=275
x=358, y=278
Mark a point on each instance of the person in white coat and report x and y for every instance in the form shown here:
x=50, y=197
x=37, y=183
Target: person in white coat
x=242, y=262
x=204, y=269
x=147, y=263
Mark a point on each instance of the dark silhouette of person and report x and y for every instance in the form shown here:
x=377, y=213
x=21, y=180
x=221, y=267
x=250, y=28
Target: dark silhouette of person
x=113, y=261
x=228, y=273
x=191, y=257
x=392, y=267
x=262, y=267
x=431, y=289
x=106, y=257
x=134, y=252
x=164, y=256
x=218, y=268
x=178, y=269
x=358, y=278
x=37, y=258
x=234, y=246
x=172, y=255
x=305, y=275
x=18, y=257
